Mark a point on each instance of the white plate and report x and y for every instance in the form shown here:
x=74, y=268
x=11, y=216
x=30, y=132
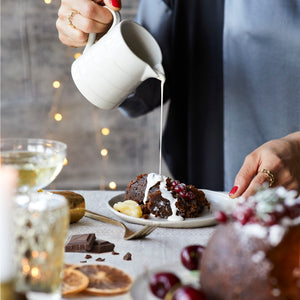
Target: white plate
x=218, y=201
x=140, y=288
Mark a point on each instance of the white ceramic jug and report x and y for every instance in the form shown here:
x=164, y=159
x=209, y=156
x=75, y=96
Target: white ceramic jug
x=110, y=69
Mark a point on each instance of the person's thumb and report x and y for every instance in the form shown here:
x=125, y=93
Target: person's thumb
x=113, y=4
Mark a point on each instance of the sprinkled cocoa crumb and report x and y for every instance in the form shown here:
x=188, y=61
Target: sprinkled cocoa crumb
x=115, y=253
x=88, y=256
x=83, y=261
x=100, y=259
x=127, y=256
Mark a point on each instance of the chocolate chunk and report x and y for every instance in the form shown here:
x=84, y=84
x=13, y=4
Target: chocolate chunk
x=83, y=261
x=115, y=253
x=127, y=256
x=80, y=242
x=100, y=259
x=101, y=246
x=88, y=256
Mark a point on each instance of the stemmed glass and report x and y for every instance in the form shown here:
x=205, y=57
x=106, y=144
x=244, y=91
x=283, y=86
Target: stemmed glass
x=38, y=161
x=40, y=218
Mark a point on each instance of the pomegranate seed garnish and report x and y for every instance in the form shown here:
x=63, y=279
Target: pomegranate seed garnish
x=221, y=217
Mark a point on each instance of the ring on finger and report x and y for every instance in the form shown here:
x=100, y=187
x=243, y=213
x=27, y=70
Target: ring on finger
x=70, y=17
x=270, y=176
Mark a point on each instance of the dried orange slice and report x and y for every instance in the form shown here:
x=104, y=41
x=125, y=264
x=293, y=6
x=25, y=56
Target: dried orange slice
x=73, y=281
x=106, y=280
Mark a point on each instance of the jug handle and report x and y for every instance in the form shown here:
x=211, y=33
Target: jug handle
x=92, y=36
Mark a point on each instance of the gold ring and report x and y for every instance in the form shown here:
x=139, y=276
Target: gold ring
x=270, y=176
x=70, y=16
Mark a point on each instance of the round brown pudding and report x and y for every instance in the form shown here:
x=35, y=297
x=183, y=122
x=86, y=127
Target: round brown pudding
x=255, y=253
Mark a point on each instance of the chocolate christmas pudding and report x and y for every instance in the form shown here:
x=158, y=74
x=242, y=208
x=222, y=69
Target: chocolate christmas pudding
x=255, y=253
x=166, y=198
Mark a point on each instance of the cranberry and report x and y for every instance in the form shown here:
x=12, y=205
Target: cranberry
x=221, y=217
x=182, y=186
x=272, y=219
x=182, y=194
x=293, y=211
x=175, y=182
x=243, y=215
x=187, y=292
x=177, y=189
x=161, y=283
x=190, y=195
x=191, y=256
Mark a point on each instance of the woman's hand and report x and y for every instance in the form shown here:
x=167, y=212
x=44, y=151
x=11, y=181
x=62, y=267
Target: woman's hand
x=78, y=18
x=280, y=157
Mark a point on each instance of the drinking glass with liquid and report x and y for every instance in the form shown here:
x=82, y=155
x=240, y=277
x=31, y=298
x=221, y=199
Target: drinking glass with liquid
x=41, y=225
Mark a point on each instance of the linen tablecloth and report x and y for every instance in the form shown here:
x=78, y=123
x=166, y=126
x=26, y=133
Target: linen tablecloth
x=161, y=247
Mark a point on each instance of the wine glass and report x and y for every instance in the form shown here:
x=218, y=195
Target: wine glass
x=40, y=219
x=38, y=161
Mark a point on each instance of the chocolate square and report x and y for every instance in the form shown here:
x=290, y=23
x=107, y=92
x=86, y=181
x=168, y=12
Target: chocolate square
x=80, y=242
x=101, y=246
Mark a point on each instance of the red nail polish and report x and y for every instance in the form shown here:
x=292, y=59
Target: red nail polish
x=116, y=3
x=234, y=190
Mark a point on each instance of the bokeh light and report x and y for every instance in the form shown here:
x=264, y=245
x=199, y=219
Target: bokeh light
x=112, y=185
x=104, y=152
x=56, y=84
x=105, y=131
x=58, y=117
x=76, y=55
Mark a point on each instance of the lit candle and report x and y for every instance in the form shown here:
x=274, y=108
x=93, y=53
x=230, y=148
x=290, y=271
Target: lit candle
x=8, y=180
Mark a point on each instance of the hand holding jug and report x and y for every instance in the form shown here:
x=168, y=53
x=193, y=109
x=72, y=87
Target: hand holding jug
x=111, y=69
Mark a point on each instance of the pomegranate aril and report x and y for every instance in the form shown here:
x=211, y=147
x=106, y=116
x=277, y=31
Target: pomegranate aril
x=221, y=217
x=190, y=195
x=182, y=186
x=175, y=182
x=182, y=194
x=177, y=189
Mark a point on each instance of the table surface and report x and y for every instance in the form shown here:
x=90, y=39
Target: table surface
x=161, y=248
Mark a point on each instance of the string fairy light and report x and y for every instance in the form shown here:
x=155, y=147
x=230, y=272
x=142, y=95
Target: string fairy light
x=55, y=115
x=58, y=117
x=112, y=185
x=104, y=152
x=105, y=131
x=56, y=84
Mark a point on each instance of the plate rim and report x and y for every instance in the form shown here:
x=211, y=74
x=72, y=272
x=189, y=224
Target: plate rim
x=202, y=221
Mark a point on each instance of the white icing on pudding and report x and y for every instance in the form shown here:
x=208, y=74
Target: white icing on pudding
x=153, y=179
x=264, y=204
